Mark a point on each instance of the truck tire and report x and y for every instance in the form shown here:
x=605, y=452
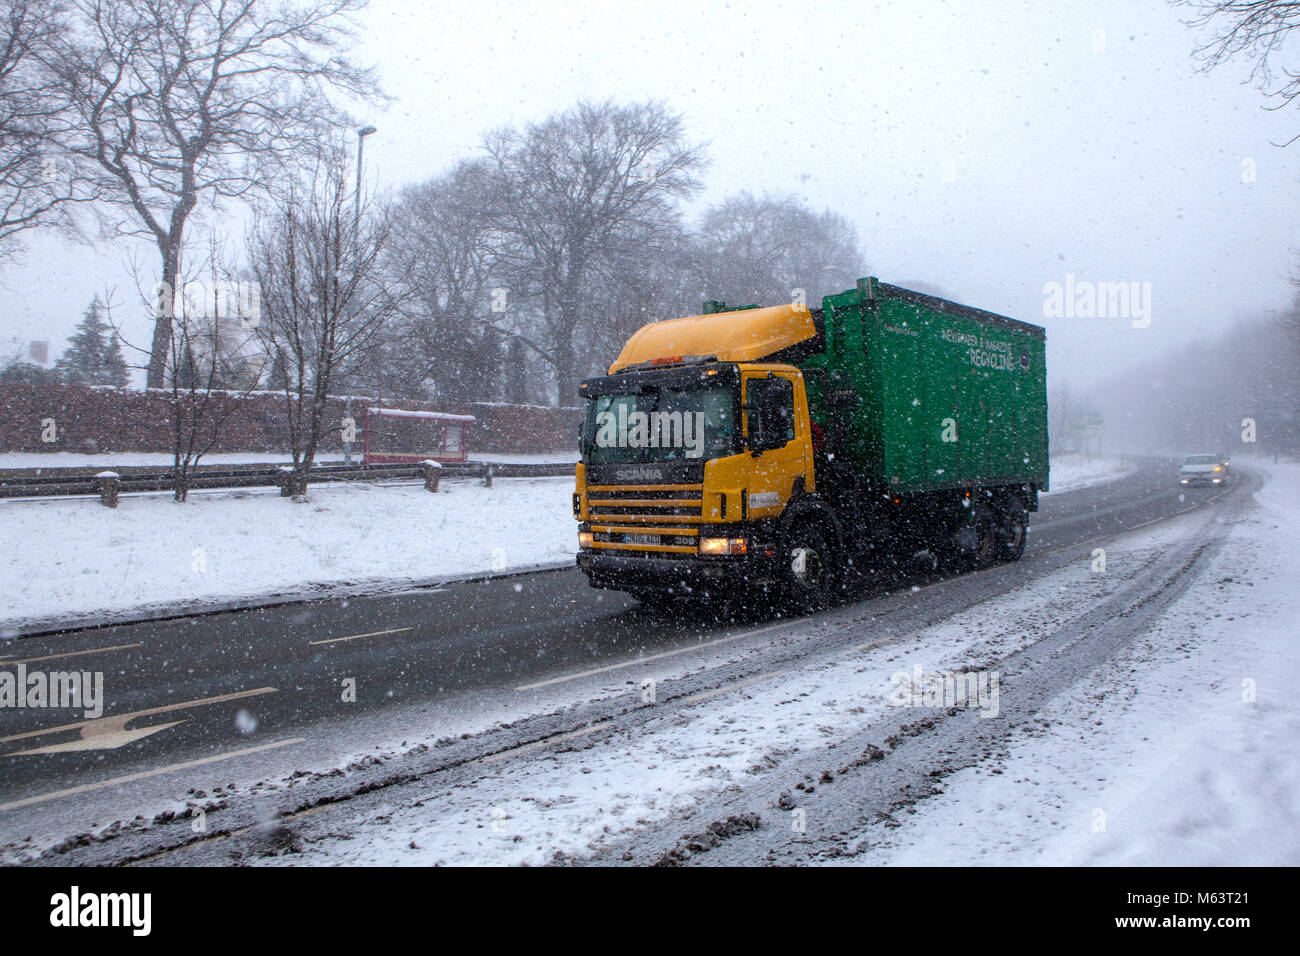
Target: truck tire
x=1013, y=531
x=809, y=571
x=987, y=539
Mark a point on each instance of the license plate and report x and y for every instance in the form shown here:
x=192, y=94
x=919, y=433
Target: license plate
x=640, y=539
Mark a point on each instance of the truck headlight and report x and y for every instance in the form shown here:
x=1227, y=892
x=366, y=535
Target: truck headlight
x=717, y=546
x=586, y=539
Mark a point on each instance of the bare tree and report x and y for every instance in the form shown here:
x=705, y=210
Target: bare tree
x=642, y=280
x=569, y=190
x=179, y=101
x=1265, y=32
x=36, y=184
x=325, y=298
x=761, y=250
x=201, y=405
x=448, y=342
x=202, y=394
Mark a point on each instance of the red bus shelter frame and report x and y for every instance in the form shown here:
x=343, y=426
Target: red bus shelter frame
x=451, y=444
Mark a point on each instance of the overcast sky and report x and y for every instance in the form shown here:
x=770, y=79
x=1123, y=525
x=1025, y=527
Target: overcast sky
x=981, y=150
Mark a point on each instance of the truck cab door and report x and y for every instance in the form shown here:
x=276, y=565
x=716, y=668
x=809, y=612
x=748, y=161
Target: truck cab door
x=776, y=436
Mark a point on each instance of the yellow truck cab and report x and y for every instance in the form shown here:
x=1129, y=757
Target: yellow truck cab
x=689, y=460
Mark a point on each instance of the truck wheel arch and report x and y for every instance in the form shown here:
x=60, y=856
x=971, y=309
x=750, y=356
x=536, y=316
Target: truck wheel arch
x=813, y=508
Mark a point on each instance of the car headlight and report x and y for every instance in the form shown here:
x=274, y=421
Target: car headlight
x=586, y=539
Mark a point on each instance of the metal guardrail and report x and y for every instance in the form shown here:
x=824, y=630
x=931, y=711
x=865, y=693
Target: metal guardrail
x=107, y=483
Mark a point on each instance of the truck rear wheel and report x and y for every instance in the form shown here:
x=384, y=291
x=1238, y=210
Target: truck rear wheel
x=1014, y=531
x=986, y=548
x=809, y=568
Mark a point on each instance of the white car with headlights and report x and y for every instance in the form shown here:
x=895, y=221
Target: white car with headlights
x=1203, y=470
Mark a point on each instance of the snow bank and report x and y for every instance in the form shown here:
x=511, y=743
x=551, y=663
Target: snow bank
x=1072, y=472
x=427, y=416
x=1185, y=751
x=76, y=556
x=121, y=459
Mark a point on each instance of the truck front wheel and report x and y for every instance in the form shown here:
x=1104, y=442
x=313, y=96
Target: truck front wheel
x=809, y=571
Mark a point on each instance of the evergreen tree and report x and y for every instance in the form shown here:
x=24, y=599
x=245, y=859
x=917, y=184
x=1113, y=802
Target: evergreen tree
x=94, y=354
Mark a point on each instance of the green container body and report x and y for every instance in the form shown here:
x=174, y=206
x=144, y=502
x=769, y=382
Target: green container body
x=903, y=371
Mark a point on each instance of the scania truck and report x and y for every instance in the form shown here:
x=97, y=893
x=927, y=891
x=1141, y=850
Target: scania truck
x=772, y=450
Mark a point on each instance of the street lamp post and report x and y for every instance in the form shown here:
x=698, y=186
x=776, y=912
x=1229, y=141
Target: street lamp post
x=356, y=230
x=361, y=145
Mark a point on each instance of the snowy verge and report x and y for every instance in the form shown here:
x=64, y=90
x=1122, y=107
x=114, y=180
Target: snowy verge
x=11, y=460
x=1072, y=472
x=79, y=560
x=1184, y=751
x=125, y=459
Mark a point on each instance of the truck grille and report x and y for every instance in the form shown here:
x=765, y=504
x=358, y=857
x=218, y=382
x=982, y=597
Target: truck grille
x=654, y=520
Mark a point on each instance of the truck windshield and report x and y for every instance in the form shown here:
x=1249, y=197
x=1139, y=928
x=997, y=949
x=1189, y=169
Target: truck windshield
x=660, y=424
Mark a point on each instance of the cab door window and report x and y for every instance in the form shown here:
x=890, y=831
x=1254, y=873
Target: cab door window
x=771, y=404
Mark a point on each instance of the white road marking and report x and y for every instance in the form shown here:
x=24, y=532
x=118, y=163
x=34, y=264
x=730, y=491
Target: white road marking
x=145, y=774
x=6, y=662
x=82, y=725
x=106, y=733
x=653, y=657
x=353, y=637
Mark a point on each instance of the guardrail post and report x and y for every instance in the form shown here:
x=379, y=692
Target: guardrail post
x=488, y=472
x=432, y=472
x=108, y=484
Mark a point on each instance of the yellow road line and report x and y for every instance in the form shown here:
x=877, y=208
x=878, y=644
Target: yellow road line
x=353, y=637
x=49, y=657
